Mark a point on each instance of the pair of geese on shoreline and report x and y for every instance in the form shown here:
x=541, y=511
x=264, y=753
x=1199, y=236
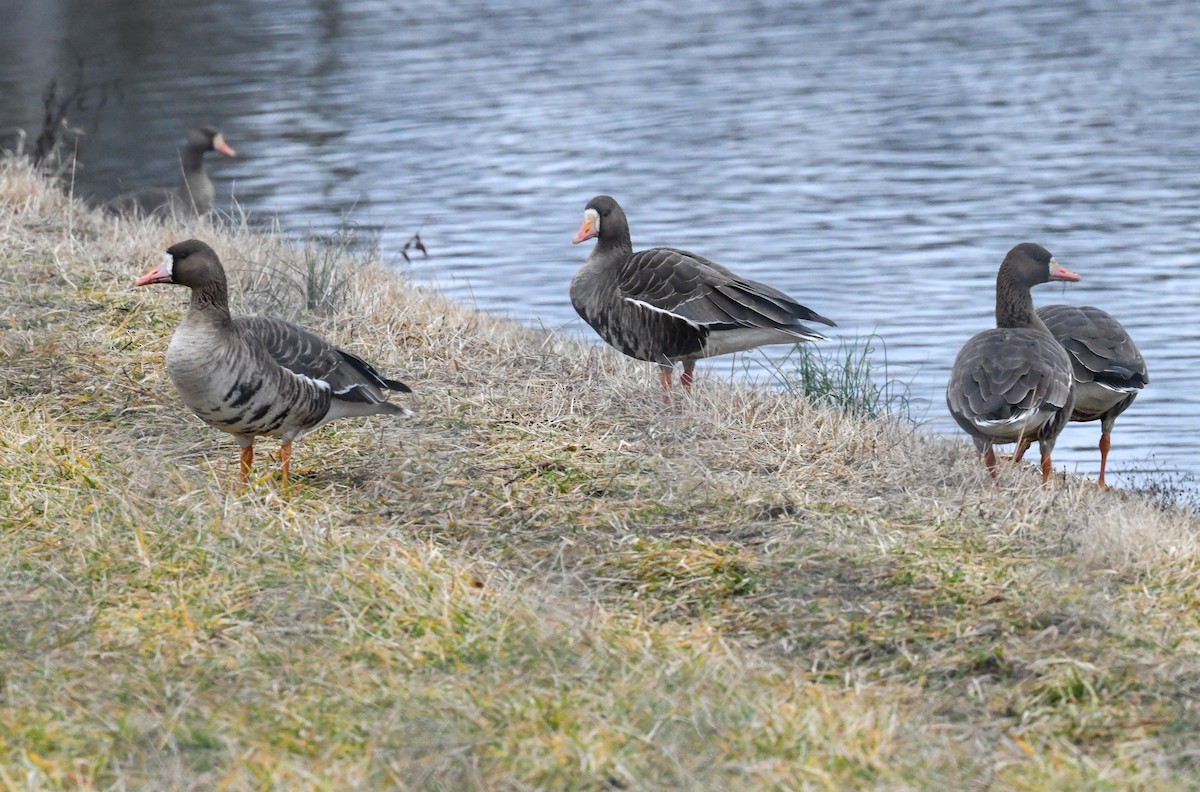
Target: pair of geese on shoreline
x=1020, y=381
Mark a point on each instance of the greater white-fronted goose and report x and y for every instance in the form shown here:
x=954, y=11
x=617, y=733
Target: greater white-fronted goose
x=257, y=375
x=1108, y=368
x=1013, y=384
x=666, y=305
x=194, y=196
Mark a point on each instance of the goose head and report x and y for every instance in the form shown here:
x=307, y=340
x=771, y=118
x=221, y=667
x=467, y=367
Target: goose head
x=603, y=218
x=192, y=263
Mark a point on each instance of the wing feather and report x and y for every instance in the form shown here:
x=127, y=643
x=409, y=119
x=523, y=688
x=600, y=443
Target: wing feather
x=1100, y=348
x=706, y=293
x=308, y=355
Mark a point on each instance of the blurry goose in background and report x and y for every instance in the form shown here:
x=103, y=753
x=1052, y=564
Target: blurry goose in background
x=1108, y=368
x=1013, y=384
x=666, y=305
x=257, y=375
x=194, y=196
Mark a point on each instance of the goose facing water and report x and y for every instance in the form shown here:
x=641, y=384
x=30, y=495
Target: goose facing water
x=194, y=195
x=258, y=375
x=1108, y=367
x=1013, y=383
x=668, y=306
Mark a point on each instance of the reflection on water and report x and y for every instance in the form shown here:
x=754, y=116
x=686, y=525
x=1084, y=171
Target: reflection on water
x=874, y=159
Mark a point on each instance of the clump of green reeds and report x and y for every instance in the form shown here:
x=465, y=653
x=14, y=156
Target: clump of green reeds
x=317, y=280
x=846, y=379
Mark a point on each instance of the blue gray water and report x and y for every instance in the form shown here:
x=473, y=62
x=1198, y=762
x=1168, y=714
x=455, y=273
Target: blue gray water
x=875, y=159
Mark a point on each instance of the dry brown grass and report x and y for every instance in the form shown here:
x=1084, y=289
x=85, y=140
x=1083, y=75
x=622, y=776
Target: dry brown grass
x=546, y=580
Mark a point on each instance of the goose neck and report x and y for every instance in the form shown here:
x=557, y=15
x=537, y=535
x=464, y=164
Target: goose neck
x=210, y=301
x=1014, y=307
x=192, y=159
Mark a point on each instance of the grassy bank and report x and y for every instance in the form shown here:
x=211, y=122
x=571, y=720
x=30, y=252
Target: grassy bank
x=546, y=580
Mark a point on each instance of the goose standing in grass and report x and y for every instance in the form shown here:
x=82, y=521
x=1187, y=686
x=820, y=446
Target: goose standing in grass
x=194, y=196
x=1013, y=384
x=1109, y=370
x=257, y=375
x=665, y=305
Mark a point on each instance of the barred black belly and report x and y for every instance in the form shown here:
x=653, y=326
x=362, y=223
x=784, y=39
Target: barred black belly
x=252, y=405
x=648, y=336
x=250, y=409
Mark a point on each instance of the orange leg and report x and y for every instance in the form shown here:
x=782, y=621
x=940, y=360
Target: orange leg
x=1022, y=447
x=285, y=456
x=1105, y=444
x=989, y=459
x=688, y=375
x=1047, y=469
x=247, y=460
x=665, y=378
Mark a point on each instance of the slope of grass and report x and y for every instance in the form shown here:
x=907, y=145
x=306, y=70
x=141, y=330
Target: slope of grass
x=546, y=580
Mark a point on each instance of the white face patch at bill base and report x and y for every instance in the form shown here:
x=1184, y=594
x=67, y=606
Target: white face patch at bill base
x=592, y=218
x=168, y=265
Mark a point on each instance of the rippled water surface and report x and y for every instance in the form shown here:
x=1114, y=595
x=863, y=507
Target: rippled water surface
x=876, y=160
